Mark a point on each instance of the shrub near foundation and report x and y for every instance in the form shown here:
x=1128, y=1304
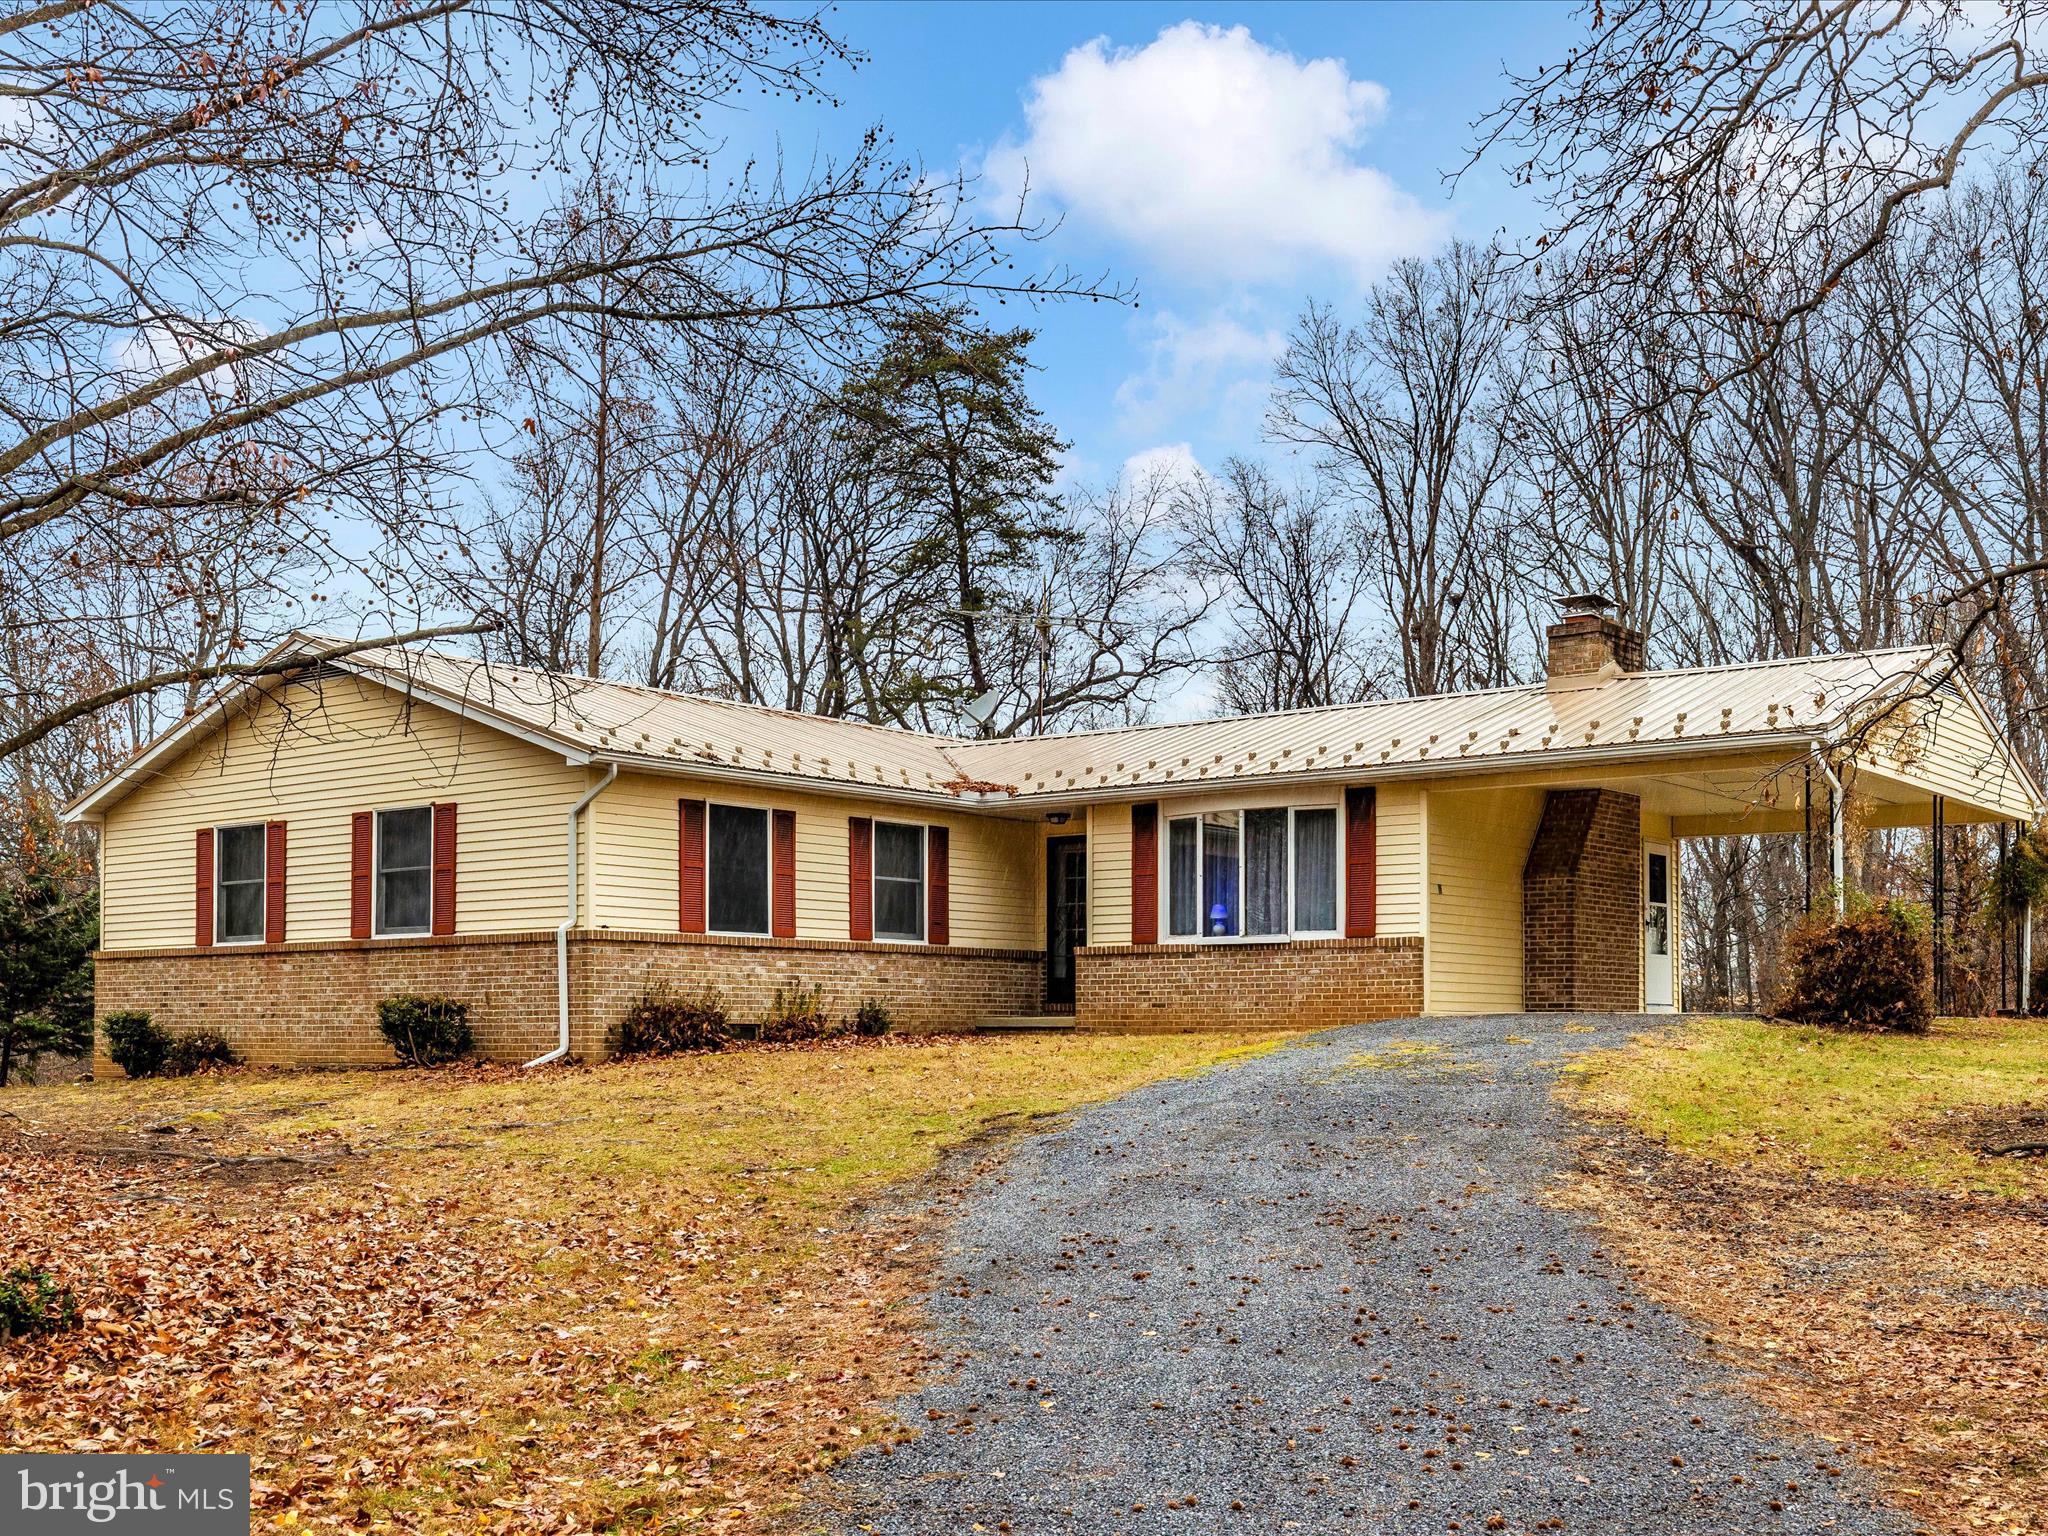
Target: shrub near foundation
x=136, y=1043
x=1868, y=973
x=426, y=1031
x=202, y=1050
x=797, y=1013
x=664, y=1024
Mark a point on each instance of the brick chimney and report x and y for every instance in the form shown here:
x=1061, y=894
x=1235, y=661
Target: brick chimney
x=1588, y=643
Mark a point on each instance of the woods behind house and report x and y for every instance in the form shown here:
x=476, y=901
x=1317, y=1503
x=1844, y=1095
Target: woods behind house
x=300, y=337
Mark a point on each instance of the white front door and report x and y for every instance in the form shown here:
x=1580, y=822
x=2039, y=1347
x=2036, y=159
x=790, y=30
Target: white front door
x=1657, y=921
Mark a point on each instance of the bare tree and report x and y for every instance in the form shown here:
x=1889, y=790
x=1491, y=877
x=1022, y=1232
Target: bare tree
x=263, y=262
x=1290, y=575
x=1402, y=411
x=1849, y=113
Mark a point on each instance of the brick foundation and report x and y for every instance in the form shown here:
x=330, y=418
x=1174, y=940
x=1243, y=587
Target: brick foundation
x=315, y=1005
x=1582, y=904
x=1308, y=984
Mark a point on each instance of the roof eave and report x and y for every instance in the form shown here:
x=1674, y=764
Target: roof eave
x=1437, y=768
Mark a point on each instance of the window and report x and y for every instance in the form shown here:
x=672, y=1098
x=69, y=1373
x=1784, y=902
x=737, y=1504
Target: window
x=1264, y=873
x=1182, y=843
x=736, y=869
x=405, y=870
x=1315, y=870
x=899, y=881
x=238, y=885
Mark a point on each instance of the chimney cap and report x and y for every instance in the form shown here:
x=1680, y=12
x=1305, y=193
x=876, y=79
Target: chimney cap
x=1590, y=605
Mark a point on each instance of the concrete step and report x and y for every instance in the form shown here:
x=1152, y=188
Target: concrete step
x=1026, y=1023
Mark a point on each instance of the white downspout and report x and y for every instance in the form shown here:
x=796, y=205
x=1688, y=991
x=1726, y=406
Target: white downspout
x=562, y=930
x=1834, y=829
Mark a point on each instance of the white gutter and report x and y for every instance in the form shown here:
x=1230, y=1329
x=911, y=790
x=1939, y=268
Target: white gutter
x=1834, y=827
x=611, y=771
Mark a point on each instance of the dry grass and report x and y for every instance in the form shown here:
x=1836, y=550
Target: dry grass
x=647, y=1296
x=1885, y=1107
x=1817, y=1204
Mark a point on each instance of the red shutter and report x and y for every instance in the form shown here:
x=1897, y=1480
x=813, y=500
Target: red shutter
x=938, y=880
x=782, y=884
x=202, y=917
x=273, y=882
x=860, y=878
x=361, y=833
x=689, y=866
x=1145, y=873
x=444, y=868
x=1361, y=862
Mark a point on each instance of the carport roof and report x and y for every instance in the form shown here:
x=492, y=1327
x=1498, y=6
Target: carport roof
x=1606, y=717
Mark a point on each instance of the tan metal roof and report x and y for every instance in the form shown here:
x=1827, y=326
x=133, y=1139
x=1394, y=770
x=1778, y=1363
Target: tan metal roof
x=1615, y=716
x=1749, y=705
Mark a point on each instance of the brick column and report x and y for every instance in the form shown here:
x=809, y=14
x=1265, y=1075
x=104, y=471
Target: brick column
x=1582, y=904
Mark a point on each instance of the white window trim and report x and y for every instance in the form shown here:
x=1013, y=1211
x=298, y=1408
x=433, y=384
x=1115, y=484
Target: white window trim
x=262, y=882
x=767, y=814
x=1196, y=810
x=924, y=880
x=377, y=928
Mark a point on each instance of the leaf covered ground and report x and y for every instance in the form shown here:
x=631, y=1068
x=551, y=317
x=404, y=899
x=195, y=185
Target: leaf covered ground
x=1820, y=1205
x=648, y=1295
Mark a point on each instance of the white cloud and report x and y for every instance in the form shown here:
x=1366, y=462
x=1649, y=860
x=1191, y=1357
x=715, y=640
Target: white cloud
x=1212, y=365
x=156, y=346
x=1217, y=155
x=1169, y=463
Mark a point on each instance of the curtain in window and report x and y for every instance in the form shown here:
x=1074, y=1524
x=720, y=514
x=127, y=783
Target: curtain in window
x=1265, y=871
x=1315, y=871
x=1219, y=874
x=404, y=870
x=737, y=869
x=899, y=881
x=1183, y=892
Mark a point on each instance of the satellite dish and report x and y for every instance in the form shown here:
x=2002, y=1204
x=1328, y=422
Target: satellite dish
x=981, y=707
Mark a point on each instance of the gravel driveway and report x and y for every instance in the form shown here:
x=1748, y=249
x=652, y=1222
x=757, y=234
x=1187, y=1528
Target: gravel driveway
x=1314, y=1291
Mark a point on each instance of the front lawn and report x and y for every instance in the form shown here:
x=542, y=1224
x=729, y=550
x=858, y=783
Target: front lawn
x=643, y=1295
x=1821, y=1207
x=1885, y=1107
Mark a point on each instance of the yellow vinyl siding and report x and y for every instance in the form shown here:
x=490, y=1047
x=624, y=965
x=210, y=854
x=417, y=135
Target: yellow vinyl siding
x=994, y=865
x=312, y=755
x=1109, y=874
x=1941, y=744
x=1398, y=859
x=1478, y=844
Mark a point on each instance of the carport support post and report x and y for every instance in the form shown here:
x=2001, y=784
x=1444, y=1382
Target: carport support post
x=2027, y=960
x=1834, y=832
x=2004, y=923
x=1940, y=827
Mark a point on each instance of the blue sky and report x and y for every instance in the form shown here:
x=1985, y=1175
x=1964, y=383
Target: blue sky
x=1227, y=160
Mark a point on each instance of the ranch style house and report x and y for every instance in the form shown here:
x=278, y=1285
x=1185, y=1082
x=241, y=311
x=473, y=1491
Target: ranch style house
x=548, y=848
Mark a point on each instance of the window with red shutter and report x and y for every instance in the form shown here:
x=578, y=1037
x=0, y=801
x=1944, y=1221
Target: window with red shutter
x=689, y=866
x=444, y=868
x=361, y=845
x=938, y=855
x=202, y=920
x=1361, y=862
x=273, y=882
x=783, y=924
x=860, y=878
x=1145, y=873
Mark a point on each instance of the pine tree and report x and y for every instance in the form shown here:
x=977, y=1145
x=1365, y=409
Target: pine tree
x=49, y=926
